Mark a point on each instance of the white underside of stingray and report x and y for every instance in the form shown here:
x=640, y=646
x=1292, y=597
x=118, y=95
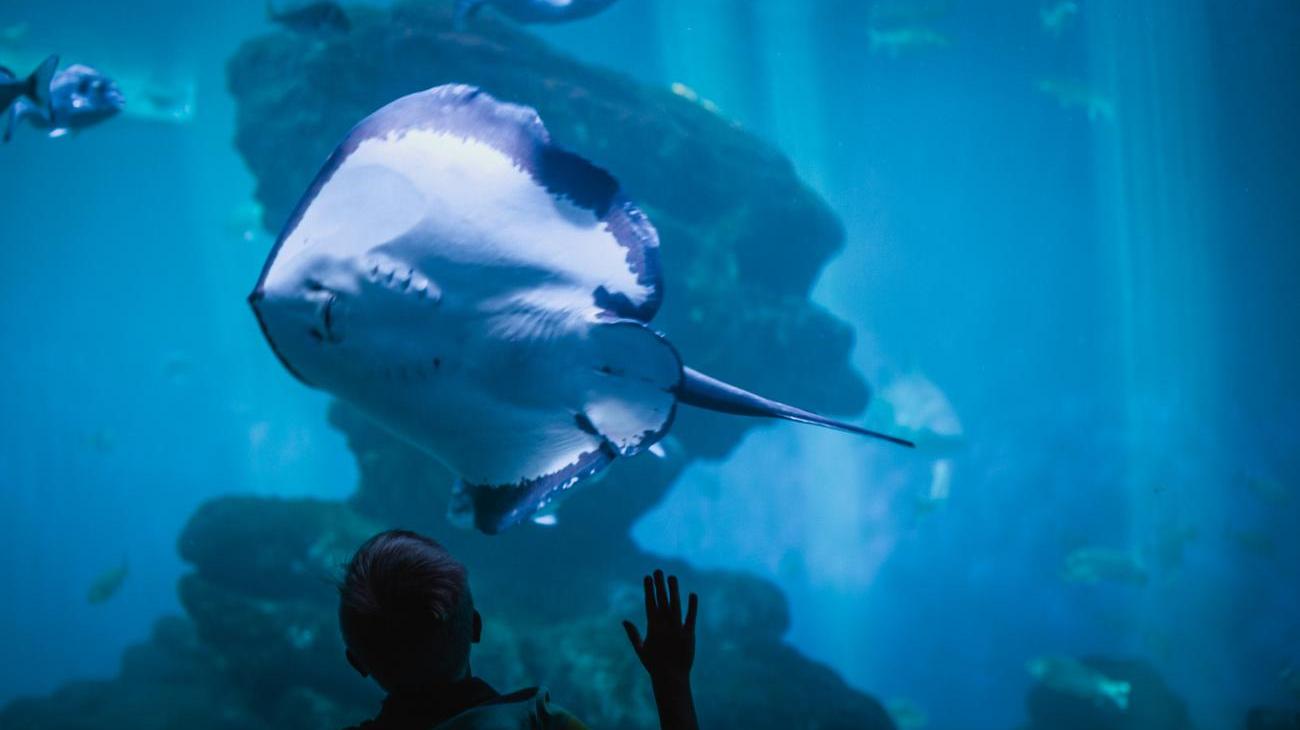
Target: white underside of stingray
x=484, y=295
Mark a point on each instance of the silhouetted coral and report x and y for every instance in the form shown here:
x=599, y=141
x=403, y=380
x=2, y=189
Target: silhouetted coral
x=171, y=681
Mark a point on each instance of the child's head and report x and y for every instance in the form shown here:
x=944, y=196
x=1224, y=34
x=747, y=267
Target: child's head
x=406, y=613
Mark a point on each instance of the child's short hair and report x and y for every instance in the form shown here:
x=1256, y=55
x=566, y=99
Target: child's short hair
x=406, y=611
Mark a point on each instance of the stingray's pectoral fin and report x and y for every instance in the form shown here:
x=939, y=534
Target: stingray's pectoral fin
x=494, y=508
x=702, y=391
x=631, y=386
x=623, y=379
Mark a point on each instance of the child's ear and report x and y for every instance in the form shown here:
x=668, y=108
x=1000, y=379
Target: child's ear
x=478, y=628
x=356, y=664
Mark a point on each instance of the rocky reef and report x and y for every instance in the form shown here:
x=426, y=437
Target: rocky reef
x=742, y=240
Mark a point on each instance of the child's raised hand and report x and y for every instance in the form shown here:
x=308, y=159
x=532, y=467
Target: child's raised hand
x=668, y=650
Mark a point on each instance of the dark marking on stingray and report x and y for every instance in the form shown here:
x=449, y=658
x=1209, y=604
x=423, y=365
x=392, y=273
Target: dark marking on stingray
x=563, y=173
x=327, y=314
x=499, y=507
x=517, y=132
x=585, y=425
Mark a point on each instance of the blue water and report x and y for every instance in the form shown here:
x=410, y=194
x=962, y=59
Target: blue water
x=1110, y=307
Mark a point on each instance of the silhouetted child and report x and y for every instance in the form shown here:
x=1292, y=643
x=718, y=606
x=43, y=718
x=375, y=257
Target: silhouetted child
x=408, y=621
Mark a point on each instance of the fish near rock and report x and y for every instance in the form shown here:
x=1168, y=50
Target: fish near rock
x=1058, y=16
x=107, y=584
x=1072, y=94
x=311, y=17
x=896, y=41
x=1092, y=565
x=1072, y=677
x=485, y=295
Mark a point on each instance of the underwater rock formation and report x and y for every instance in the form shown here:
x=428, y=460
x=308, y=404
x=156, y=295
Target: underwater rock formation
x=170, y=681
x=742, y=240
x=1271, y=718
x=1152, y=704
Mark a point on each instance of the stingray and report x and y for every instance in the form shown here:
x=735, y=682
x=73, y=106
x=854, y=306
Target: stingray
x=485, y=295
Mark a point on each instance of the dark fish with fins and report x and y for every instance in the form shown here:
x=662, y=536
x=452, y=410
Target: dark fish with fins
x=311, y=17
x=79, y=97
x=107, y=584
x=35, y=87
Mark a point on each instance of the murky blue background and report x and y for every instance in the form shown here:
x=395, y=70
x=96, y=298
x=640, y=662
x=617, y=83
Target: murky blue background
x=1110, y=306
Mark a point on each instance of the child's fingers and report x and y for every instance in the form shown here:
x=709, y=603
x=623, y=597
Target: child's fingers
x=633, y=636
x=692, y=604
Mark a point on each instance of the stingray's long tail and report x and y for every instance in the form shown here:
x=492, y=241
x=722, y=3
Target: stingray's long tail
x=701, y=391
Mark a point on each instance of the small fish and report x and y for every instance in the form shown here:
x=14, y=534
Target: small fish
x=80, y=97
x=1256, y=542
x=908, y=12
x=919, y=409
x=1070, y=676
x=685, y=92
x=1058, y=16
x=1171, y=543
x=107, y=584
x=1077, y=95
x=1091, y=565
x=36, y=87
x=690, y=95
x=907, y=715
x=1290, y=677
x=311, y=17
x=533, y=11
x=13, y=35
x=1268, y=489
x=102, y=440
x=156, y=102
x=245, y=220
x=896, y=41
x=177, y=366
